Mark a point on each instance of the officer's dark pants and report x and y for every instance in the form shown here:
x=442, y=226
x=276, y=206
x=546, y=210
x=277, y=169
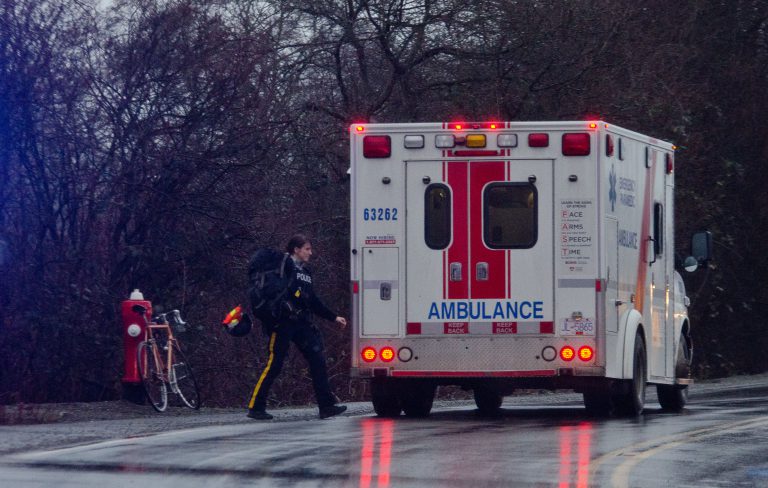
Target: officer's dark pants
x=310, y=342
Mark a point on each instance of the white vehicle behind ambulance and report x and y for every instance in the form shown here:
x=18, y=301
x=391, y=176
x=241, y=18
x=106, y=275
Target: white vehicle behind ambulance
x=503, y=255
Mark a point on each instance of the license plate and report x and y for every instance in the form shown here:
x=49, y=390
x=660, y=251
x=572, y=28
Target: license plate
x=577, y=327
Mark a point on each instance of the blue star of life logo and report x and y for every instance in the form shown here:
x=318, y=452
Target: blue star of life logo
x=612, y=190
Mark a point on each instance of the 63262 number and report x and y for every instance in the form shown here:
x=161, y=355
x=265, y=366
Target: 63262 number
x=380, y=214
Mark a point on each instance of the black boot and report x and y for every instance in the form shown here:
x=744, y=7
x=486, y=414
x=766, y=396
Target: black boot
x=259, y=415
x=332, y=410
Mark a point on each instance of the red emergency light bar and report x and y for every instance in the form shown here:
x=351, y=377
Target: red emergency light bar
x=474, y=125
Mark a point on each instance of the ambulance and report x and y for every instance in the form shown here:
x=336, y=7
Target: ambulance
x=517, y=255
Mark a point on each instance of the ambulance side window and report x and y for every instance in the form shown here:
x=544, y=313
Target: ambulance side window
x=510, y=215
x=437, y=216
x=658, y=228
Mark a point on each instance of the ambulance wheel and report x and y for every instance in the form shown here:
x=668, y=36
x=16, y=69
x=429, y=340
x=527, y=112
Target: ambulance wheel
x=631, y=402
x=488, y=401
x=417, y=399
x=598, y=404
x=674, y=397
x=386, y=402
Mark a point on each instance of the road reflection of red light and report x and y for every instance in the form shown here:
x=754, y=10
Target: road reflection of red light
x=565, y=456
x=582, y=437
x=376, y=430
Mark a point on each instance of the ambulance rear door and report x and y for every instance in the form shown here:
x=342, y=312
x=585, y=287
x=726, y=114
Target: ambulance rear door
x=479, y=247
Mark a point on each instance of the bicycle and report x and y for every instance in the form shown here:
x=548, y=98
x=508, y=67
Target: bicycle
x=162, y=364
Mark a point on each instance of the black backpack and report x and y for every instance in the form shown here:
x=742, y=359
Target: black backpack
x=270, y=277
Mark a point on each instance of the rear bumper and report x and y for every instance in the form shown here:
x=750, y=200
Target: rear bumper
x=543, y=373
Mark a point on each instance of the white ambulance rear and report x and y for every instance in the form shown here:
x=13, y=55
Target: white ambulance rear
x=504, y=255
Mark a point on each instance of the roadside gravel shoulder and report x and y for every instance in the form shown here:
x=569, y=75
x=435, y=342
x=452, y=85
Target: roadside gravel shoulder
x=69, y=424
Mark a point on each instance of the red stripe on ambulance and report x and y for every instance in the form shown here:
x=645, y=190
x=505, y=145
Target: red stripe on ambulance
x=459, y=251
x=482, y=173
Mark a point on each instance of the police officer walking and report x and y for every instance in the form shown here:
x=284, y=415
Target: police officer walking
x=298, y=328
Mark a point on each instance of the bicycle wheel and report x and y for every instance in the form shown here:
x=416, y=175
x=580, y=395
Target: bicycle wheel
x=183, y=380
x=151, y=374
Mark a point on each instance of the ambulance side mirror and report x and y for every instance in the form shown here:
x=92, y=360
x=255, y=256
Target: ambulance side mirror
x=690, y=264
x=701, y=251
x=701, y=247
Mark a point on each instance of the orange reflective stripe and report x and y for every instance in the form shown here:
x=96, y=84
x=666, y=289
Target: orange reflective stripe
x=266, y=370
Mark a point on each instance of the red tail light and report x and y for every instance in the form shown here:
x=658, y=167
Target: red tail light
x=369, y=354
x=377, y=146
x=567, y=353
x=576, y=144
x=387, y=354
x=586, y=353
x=538, y=140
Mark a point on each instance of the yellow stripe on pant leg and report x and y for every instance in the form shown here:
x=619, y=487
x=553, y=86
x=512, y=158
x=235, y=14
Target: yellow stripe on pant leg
x=266, y=370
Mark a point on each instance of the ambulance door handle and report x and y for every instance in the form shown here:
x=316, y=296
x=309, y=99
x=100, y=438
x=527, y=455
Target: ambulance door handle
x=618, y=303
x=385, y=290
x=455, y=271
x=652, y=250
x=481, y=271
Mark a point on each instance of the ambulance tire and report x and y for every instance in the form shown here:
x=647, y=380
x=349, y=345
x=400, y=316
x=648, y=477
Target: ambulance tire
x=386, y=402
x=417, y=399
x=674, y=397
x=632, y=402
x=599, y=404
x=488, y=401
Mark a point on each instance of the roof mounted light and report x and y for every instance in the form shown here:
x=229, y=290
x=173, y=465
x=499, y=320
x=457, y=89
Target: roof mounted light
x=445, y=141
x=539, y=139
x=475, y=140
x=576, y=144
x=377, y=147
x=506, y=140
x=413, y=141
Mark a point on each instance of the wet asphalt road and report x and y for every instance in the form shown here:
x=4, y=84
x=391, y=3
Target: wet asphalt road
x=721, y=439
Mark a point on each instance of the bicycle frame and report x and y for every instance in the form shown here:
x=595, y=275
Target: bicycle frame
x=167, y=362
x=168, y=366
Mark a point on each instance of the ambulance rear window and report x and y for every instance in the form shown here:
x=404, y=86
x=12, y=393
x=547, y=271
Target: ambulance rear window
x=437, y=216
x=509, y=215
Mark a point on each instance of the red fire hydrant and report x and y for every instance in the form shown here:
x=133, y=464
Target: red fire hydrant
x=133, y=334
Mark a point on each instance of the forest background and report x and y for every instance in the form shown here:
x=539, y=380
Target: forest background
x=154, y=144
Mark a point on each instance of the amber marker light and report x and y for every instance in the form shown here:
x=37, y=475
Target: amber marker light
x=369, y=354
x=592, y=125
x=387, y=354
x=567, y=353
